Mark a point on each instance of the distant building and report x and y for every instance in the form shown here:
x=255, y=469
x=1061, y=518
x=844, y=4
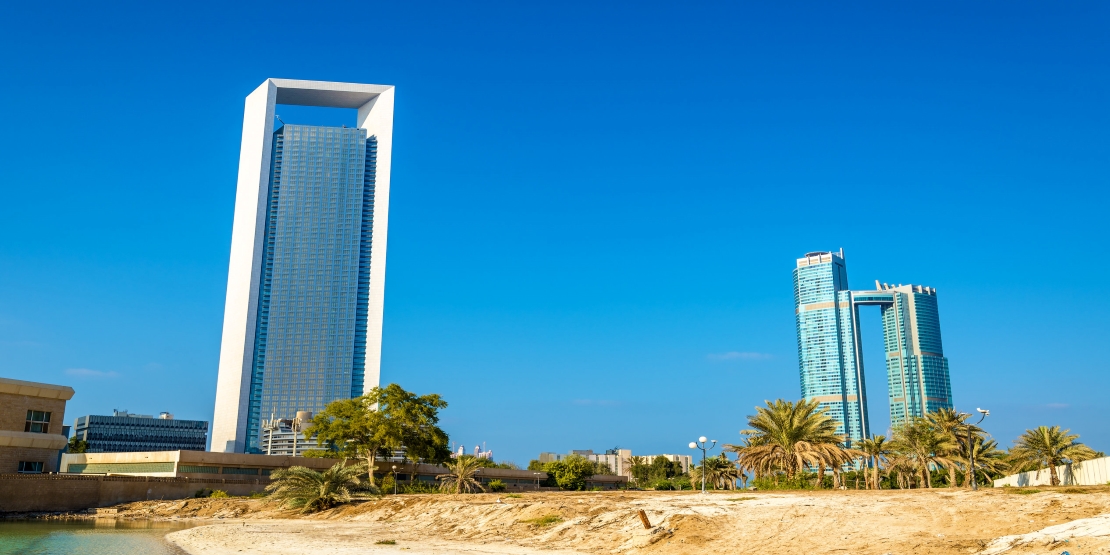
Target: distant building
x=31, y=431
x=124, y=432
x=479, y=453
x=285, y=436
x=618, y=460
x=830, y=350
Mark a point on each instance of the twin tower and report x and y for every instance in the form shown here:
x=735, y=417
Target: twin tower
x=830, y=351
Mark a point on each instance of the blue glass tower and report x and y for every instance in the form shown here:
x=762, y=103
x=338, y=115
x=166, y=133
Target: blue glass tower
x=309, y=347
x=829, y=359
x=830, y=356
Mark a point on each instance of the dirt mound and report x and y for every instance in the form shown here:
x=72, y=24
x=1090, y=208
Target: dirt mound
x=919, y=521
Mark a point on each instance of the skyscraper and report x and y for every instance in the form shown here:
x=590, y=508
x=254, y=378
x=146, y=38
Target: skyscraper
x=306, y=283
x=829, y=358
x=830, y=354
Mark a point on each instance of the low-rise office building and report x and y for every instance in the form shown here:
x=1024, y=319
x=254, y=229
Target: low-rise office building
x=201, y=465
x=31, y=416
x=125, y=432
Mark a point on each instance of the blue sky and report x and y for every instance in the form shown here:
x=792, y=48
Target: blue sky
x=595, y=209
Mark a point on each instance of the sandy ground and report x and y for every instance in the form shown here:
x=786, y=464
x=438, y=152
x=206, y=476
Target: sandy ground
x=926, y=522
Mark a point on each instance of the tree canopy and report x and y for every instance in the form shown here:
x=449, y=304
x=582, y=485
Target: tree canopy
x=382, y=421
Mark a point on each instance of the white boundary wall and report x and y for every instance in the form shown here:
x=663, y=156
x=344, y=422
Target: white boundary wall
x=1095, y=472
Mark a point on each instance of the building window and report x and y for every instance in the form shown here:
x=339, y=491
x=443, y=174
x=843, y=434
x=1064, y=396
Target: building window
x=37, y=422
x=26, y=467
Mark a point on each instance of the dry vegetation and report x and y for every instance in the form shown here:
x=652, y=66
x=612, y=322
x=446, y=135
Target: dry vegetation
x=911, y=521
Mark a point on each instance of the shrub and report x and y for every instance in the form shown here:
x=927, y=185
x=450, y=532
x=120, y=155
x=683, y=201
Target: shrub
x=514, y=496
x=663, y=485
x=203, y=493
x=388, y=483
x=419, y=487
x=258, y=495
x=386, y=542
x=219, y=494
x=543, y=521
x=496, y=485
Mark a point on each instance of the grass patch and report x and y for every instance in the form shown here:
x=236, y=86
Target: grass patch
x=739, y=498
x=543, y=521
x=1075, y=490
x=386, y=542
x=514, y=496
x=1023, y=491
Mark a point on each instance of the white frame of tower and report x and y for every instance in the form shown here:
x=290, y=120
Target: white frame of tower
x=375, y=114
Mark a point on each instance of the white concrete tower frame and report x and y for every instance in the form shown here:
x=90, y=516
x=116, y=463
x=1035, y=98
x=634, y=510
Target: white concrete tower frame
x=375, y=114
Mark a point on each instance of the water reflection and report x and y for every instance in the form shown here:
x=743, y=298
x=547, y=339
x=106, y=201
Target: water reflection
x=103, y=536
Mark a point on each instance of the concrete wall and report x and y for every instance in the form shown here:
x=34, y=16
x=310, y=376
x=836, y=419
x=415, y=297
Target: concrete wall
x=1094, y=472
x=42, y=492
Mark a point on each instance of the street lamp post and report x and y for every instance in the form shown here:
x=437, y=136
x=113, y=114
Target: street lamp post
x=394, y=479
x=971, y=448
x=700, y=444
x=537, y=475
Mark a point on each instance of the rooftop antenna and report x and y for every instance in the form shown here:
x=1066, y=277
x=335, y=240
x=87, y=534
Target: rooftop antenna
x=277, y=117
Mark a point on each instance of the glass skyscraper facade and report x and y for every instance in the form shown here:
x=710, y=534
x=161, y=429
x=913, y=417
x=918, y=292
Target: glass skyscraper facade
x=830, y=356
x=310, y=337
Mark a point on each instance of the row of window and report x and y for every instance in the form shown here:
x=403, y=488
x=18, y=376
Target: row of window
x=38, y=422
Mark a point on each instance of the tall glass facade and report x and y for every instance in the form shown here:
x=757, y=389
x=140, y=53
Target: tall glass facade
x=310, y=336
x=830, y=356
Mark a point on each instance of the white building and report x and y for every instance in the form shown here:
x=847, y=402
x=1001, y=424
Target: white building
x=618, y=460
x=306, y=281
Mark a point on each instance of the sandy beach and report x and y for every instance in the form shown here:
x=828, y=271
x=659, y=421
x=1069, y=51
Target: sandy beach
x=918, y=521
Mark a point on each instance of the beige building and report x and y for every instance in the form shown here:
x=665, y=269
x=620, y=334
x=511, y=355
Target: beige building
x=209, y=466
x=31, y=417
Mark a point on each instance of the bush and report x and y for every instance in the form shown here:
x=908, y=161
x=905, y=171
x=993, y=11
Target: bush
x=495, y=485
x=388, y=484
x=663, y=485
x=219, y=494
x=799, y=481
x=544, y=520
x=258, y=495
x=419, y=487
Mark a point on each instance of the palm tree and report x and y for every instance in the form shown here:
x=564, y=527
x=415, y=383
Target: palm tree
x=309, y=490
x=720, y=473
x=1045, y=446
x=990, y=461
x=789, y=436
x=921, y=441
x=636, y=468
x=876, y=449
x=462, y=476
x=950, y=422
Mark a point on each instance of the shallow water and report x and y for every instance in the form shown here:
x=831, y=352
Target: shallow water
x=99, y=537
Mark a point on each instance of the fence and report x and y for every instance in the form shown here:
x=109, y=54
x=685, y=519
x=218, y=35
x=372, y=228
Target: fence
x=1094, y=472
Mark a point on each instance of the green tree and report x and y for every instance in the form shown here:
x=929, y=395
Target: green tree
x=309, y=490
x=462, y=476
x=639, y=470
x=571, y=473
x=720, y=473
x=77, y=445
x=790, y=436
x=876, y=448
x=384, y=419
x=951, y=423
x=920, y=441
x=990, y=461
x=1048, y=447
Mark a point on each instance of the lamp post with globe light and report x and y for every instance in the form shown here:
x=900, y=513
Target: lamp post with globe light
x=700, y=444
